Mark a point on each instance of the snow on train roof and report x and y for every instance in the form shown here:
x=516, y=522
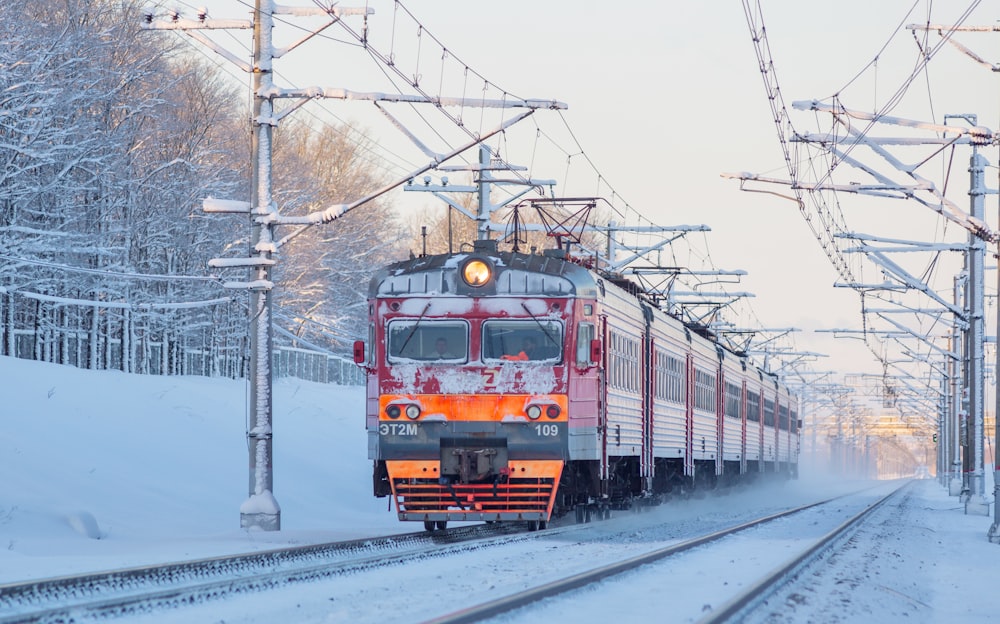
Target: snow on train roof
x=516, y=273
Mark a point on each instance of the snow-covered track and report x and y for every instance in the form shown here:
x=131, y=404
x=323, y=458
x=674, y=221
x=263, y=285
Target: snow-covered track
x=143, y=589
x=739, y=606
x=528, y=597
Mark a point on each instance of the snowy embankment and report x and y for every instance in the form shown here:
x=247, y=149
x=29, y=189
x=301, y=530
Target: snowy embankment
x=102, y=470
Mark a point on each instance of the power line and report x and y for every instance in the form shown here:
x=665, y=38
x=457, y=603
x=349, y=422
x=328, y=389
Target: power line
x=143, y=276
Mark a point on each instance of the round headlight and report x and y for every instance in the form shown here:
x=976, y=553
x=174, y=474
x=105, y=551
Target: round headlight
x=534, y=412
x=412, y=412
x=552, y=411
x=476, y=272
x=393, y=411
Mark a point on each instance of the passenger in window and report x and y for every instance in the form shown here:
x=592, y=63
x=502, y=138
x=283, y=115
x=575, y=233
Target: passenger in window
x=441, y=349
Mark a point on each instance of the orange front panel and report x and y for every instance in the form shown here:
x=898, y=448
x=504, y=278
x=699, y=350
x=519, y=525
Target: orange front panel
x=528, y=493
x=475, y=407
x=402, y=469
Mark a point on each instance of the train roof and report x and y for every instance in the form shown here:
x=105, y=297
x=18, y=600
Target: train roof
x=543, y=275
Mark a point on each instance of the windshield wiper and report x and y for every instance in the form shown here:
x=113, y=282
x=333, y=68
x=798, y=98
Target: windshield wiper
x=539, y=323
x=413, y=329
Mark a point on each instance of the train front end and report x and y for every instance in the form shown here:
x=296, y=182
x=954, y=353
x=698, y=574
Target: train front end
x=467, y=389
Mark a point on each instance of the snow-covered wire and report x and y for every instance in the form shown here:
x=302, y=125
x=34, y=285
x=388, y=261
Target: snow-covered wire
x=130, y=275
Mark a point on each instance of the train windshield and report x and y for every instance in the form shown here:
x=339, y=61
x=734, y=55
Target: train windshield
x=422, y=340
x=534, y=340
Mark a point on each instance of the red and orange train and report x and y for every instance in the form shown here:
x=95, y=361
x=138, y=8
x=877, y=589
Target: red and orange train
x=507, y=386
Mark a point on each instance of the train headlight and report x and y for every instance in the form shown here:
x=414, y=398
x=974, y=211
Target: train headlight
x=534, y=412
x=412, y=411
x=393, y=411
x=552, y=411
x=476, y=272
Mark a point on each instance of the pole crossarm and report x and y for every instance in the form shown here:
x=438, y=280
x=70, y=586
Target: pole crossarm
x=919, y=393
x=778, y=333
x=924, y=338
x=934, y=313
x=901, y=245
x=940, y=29
x=640, y=251
x=710, y=295
x=980, y=135
x=787, y=358
x=976, y=135
x=376, y=96
x=867, y=249
x=837, y=139
x=914, y=283
x=884, y=189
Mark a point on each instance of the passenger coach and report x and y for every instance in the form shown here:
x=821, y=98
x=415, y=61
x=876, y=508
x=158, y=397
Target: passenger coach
x=507, y=386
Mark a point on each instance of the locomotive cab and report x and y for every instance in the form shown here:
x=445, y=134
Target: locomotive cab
x=469, y=364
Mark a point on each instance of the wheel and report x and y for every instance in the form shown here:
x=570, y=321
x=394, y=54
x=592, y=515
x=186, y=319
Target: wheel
x=533, y=525
x=579, y=514
x=606, y=513
x=586, y=513
x=542, y=525
x=429, y=525
x=442, y=525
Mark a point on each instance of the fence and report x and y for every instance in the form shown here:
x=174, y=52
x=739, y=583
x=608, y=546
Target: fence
x=316, y=366
x=209, y=341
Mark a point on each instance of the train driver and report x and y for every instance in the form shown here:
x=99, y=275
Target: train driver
x=441, y=349
x=529, y=347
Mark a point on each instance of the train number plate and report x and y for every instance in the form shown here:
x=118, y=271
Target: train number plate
x=546, y=430
x=398, y=429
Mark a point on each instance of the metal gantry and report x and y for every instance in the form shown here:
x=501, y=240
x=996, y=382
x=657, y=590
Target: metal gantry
x=967, y=309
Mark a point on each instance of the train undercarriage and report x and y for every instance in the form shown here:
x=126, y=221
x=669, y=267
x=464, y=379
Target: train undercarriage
x=532, y=497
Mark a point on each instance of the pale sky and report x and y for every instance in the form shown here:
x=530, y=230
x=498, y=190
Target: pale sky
x=663, y=98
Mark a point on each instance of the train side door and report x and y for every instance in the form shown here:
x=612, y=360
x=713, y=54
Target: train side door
x=602, y=402
x=646, y=388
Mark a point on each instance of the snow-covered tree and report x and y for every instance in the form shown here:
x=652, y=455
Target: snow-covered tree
x=104, y=154
x=110, y=138
x=324, y=272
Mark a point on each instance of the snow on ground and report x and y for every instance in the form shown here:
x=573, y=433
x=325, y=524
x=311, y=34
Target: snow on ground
x=102, y=470
x=155, y=468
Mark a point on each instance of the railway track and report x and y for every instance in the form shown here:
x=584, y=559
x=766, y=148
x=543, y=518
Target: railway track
x=732, y=610
x=148, y=588
x=164, y=588
x=741, y=605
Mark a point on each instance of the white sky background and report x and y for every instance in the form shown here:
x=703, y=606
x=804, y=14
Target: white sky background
x=663, y=97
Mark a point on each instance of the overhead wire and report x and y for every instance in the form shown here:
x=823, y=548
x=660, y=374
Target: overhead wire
x=618, y=204
x=382, y=157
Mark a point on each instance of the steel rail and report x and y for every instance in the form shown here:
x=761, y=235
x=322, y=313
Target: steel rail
x=500, y=606
x=766, y=587
x=127, y=589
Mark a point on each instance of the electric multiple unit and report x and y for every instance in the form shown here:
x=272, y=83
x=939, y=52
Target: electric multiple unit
x=518, y=387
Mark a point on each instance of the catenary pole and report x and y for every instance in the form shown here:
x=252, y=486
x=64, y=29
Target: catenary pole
x=976, y=503
x=993, y=535
x=261, y=509
x=957, y=374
